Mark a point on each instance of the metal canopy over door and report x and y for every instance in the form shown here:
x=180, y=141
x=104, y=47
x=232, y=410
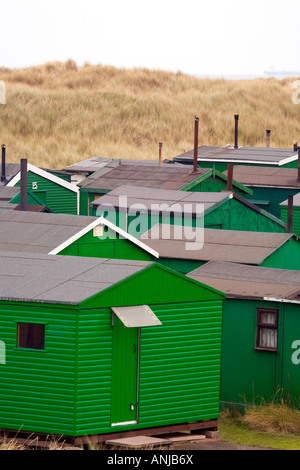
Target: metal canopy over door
x=126, y=323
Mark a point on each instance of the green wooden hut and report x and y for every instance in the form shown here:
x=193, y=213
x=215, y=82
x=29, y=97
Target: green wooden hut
x=88, y=349
x=220, y=157
x=136, y=210
x=58, y=195
x=190, y=248
x=149, y=174
x=261, y=324
x=270, y=186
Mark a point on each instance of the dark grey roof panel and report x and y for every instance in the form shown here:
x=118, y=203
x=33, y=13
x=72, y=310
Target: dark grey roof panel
x=61, y=279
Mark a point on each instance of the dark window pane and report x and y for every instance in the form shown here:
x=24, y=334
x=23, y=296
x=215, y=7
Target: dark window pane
x=31, y=335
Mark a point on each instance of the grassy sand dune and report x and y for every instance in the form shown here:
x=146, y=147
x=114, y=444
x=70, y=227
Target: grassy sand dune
x=57, y=114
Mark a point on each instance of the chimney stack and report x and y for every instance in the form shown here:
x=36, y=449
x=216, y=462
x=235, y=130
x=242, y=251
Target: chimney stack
x=160, y=153
x=290, y=215
x=195, y=168
x=297, y=149
x=3, y=175
x=23, y=204
x=236, y=118
x=229, y=176
x=268, y=132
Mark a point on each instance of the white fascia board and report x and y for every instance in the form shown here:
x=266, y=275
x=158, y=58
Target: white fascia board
x=275, y=299
x=255, y=162
x=102, y=221
x=46, y=175
x=288, y=160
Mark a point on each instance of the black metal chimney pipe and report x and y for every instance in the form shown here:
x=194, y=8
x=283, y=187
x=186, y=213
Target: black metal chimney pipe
x=268, y=132
x=195, y=167
x=236, y=117
x=3, y=175
x=23, y=204
x=290, y=215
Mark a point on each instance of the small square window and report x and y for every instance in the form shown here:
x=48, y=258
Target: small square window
x=31, y=335
x=267, y=329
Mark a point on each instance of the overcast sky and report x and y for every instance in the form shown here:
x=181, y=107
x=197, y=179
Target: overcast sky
x=192, y=36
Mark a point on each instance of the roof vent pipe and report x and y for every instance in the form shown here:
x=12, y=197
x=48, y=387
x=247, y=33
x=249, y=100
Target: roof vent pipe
x=290, y=215
x=268, y=132
x=3, y=176
x=229, y=176
x=159, y=153
x=236, y=126
x=23, y=205
x=196, y=132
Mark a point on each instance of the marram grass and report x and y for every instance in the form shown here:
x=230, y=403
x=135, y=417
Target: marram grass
x=57, y=114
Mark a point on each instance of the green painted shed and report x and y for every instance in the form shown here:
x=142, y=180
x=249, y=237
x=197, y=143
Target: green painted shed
x=189, y=248
x=137, y=209
x=270, y=186
x=219, y=157
x=58, y=195
x=149, y=174
x=93, y=346
x=261, y=325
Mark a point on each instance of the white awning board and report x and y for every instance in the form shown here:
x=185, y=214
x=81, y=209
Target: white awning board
x=136, y=316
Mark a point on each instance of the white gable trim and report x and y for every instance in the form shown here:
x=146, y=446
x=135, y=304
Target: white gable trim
x=102, y=221
x=46, y=175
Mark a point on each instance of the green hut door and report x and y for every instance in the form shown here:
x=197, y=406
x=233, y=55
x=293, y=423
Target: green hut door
x=125, y=355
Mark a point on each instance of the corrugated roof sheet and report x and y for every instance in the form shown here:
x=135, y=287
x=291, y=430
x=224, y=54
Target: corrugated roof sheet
x=149, y=197
x=266, y=176
x=37, y=232
x=224, y=245
x=243, y=281
x=141, y=173
x=258, y=155
x=8, y=192
x=96, y=163
x=59, y=279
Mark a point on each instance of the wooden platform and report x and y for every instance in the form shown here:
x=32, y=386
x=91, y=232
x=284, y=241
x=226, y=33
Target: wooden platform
x=159, y=436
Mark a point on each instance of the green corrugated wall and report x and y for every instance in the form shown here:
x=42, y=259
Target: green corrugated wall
x=37, y=388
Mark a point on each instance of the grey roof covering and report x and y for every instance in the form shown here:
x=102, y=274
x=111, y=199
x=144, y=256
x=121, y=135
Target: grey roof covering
x=8, y=192
x=243, y=281
x=223, y=245
x=37, y=232
x=93, y=164
x=296, y=201
x=60, y=279
x=142, y=173
x=274, y=177
x=149, y=198
x=228, y=154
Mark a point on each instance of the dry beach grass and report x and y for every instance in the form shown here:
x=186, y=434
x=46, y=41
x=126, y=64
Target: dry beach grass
x=56, y=114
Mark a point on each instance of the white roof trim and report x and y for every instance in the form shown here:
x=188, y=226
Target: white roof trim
x=46, y=175
x=275, y=299
x=102, y=221
x=256, y=162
